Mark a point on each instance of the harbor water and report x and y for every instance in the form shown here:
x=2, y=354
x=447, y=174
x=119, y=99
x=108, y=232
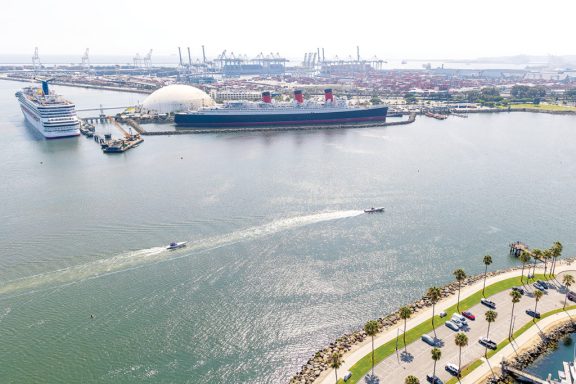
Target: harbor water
x=281, y=259
x=551, y=362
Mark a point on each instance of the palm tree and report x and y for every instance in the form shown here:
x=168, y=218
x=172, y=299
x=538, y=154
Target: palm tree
x=556, y=253
x=336, y=362
x=436, y=355
x=434, y=294
x=567, y=280
x=371, y=329
x=524, y=258
x=461, y=340
x=537, y=296
x=487, y=261
x=411, y=380
x=460, y=275
x=516, y=296
x=546, y=254
x=536, y=255
x=405, y=313
x=490, y=318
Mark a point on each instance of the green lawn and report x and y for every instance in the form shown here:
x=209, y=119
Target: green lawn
x=364, y=365
x=544, y=107
x=466, y=370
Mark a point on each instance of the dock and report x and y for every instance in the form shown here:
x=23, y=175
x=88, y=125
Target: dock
x=518, y=247
x=522, y=376
x=195, y=131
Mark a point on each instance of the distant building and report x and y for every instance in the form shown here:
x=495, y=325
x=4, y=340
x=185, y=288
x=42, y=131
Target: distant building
x=234, y=95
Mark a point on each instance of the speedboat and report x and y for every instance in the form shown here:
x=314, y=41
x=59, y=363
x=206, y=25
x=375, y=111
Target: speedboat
x=372, y=210
x=177, y=245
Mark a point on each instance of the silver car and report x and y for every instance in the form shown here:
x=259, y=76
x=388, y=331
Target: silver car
x=453, y=326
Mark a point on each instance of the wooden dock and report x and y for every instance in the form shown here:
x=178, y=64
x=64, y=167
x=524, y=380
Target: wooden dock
x=522, y=376
x=518, y=247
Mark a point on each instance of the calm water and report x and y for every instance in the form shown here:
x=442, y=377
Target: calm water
x=281, y=261
x=551, y=362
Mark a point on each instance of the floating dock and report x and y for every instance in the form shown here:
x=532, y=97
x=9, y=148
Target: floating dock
x=518, y=247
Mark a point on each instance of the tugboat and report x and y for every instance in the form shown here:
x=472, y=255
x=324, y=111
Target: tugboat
x=176, y=245
x=374, y=210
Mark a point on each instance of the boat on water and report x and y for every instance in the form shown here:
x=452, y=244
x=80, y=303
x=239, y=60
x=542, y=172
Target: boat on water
x=173, y=245
x=374, y=210
x=241, y=114
x=52, y=115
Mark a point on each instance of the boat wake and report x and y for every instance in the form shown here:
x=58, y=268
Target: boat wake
x=136, y=259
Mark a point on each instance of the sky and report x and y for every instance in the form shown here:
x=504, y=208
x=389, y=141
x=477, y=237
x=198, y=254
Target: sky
x=401, y=29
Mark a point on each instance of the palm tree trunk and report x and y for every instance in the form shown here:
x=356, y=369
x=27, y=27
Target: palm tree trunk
x=545, y=266
x=336, y=373
x=522, y=277
x=404, y=335
x=433, y=327
x=372, y=355
x=536, y=306
x=484, y=286
x=458, y=305
x=487, y=333
x=434, y=372
x=511, y=318
x=459, y=359
x=565, y=298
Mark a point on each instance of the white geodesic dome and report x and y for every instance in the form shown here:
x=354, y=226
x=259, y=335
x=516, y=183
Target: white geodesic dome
x=176, y=98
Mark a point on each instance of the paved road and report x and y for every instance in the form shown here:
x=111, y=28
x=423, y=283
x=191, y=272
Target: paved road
x=417, y=360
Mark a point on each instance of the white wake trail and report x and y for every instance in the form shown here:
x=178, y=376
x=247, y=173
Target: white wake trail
x=134, y=259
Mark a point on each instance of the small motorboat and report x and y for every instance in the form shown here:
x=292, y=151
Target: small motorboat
x=374, y=210
x=182, y=244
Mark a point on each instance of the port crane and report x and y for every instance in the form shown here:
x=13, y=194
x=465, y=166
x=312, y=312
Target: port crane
x=36, y=60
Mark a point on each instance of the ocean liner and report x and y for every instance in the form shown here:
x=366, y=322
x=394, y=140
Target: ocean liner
x=265, y=113
x=51, y=114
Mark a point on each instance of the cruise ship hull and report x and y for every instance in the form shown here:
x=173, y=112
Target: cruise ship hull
x=280, y=118
x=36, y=122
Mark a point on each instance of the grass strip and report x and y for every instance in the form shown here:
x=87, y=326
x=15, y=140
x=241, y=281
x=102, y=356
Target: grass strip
x=364, y=365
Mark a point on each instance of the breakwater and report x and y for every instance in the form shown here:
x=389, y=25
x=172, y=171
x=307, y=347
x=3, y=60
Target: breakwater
x=319, y=363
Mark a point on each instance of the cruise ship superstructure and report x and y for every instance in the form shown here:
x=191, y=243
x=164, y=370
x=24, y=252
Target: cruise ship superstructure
x=52, y=115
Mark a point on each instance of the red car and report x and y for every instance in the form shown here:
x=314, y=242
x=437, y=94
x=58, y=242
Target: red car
x=468, y=315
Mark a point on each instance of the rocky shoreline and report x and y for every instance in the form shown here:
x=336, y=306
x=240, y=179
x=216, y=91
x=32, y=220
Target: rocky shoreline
x=548, y=341
x=318, y=363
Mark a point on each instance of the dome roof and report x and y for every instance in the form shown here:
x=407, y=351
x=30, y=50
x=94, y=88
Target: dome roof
x=177, y=98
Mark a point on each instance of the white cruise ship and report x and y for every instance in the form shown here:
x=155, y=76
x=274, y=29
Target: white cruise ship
x=51, y=114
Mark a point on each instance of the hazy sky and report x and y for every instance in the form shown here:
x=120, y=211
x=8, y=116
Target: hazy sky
x=387, y=28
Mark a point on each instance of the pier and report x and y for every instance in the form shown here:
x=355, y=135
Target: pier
x=522, y=376
x=193, y=131
x=518, y=247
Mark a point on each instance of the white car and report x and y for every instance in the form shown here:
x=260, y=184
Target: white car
x=453, y=369
x=459, y=319
x=453, y=326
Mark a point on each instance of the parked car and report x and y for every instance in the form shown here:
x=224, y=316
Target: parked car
x=518, y=289
x=347, y=375
x=452, y=369
x=488, y=303
x=453, y=326
x=539, y=287
x=532, y=313
x=459, y=319
x=433, y=379
x=571, y=296
x=543, y=284
x=487, y=343
x=468, y=315
x=429, y=340
x=442, y=314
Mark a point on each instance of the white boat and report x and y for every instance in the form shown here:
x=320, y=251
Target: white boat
x=373, y=210
x=52, y=115
x=181, y=244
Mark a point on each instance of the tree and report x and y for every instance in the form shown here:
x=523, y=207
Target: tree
x=546, y=254
x=490, y=318
x=434, y=294
x=461, y=340
x=336, y=362
x=536, y=255
x=524, y=258
x=556, y=253
x=371, y=329
x=405, y=313
x=567, y=280
x=487, y=261
x=436, y=355
x=460, y=275
x=411, y=380
x=537, y=296
x=516, y=296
